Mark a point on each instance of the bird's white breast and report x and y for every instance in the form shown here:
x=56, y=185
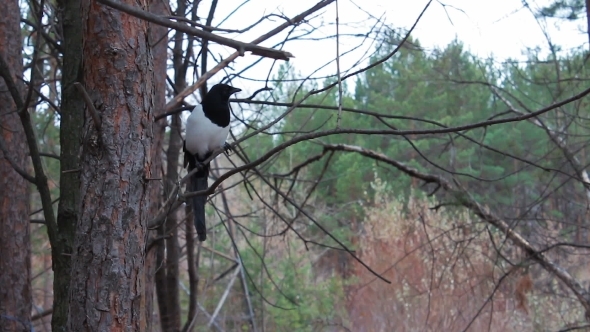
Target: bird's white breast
x=202, y=135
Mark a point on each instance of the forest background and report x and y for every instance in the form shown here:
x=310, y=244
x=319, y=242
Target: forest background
x=380, y=181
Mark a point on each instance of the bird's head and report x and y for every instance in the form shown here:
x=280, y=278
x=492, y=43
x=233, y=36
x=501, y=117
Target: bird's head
x=223, y=91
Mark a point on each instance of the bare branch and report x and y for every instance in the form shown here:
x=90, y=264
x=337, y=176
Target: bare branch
x=5, y=73
x=91, y=109
x=40, y=177
x=160, y=20
x=14, y=165
x=485, y=214
x=225, y=62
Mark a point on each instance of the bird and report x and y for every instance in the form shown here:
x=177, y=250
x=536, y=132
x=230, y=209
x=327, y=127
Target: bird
x=207, y=128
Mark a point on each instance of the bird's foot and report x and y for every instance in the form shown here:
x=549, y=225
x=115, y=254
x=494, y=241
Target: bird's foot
x=227, y=148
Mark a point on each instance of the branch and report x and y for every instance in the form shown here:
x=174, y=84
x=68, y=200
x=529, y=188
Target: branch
x=223, y=298
x=175, y=199
x=225, y=62
x=240, y=47
x=174, y=111
x=554, y=134
x=40, y=178
x=45, y=35
x=5, y=73
x=326, y=133
x=14, y=165
x=192, y=272
x=93, y=112
x=42, y=314
x=468, y=202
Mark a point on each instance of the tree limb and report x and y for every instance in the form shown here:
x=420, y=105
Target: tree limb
x=485, y=214
x=16, y=168
x=241, y=47
x=40, y=177
x=91, y=109
x=225, y=62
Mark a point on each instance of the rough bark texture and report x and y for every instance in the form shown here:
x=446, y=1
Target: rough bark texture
x=15, y=249
x=158, y=42
x=167, y=276
x=171, y=322
x=107, y=289
x=70, y=139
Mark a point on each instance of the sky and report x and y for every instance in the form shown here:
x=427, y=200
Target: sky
x=500, y=28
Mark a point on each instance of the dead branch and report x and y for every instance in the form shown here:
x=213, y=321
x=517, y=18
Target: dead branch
x=241, y=47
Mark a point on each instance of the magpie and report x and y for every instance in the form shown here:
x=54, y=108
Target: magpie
x=206, y=131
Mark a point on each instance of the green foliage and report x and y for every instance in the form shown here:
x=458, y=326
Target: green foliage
x=316, y=299
x=295, y=298
x=566, y=9
x=502, y=165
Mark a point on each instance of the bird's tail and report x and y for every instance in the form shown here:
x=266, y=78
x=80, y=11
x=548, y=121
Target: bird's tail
x=199, y=182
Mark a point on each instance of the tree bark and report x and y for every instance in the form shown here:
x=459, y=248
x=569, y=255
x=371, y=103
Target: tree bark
x=107, y=288
x=167, y=277
x=158, y=43
x=15, y=246
x=172, y=320
x=70, y=140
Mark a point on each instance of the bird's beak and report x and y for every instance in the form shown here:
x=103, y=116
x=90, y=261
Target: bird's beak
x=235, y=90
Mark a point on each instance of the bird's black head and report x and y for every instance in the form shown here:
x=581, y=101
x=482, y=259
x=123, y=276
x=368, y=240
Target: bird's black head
x=216, y=103
x=222, y=90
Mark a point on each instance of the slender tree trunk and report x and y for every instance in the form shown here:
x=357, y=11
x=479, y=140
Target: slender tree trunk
x=158, y=43
x=167, y=278
x=70, y=139
x=107, y=288
x=168, y=257
x=15, y=246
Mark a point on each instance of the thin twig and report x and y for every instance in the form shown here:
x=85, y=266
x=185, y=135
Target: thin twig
x=338, y=68
x=14, y=165
x=465, y=199
x=40, y=177
x=225, y=62
x=332, y=132
x=91, y=109
x=42, y=314
x=241, y=47
x=223, y=298
x=174, y=111
x=5, y=73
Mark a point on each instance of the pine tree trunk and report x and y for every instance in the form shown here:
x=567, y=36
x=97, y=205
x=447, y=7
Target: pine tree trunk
x=70, y=140
x=15, y=246
x=107, y=289
x=158, y=44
